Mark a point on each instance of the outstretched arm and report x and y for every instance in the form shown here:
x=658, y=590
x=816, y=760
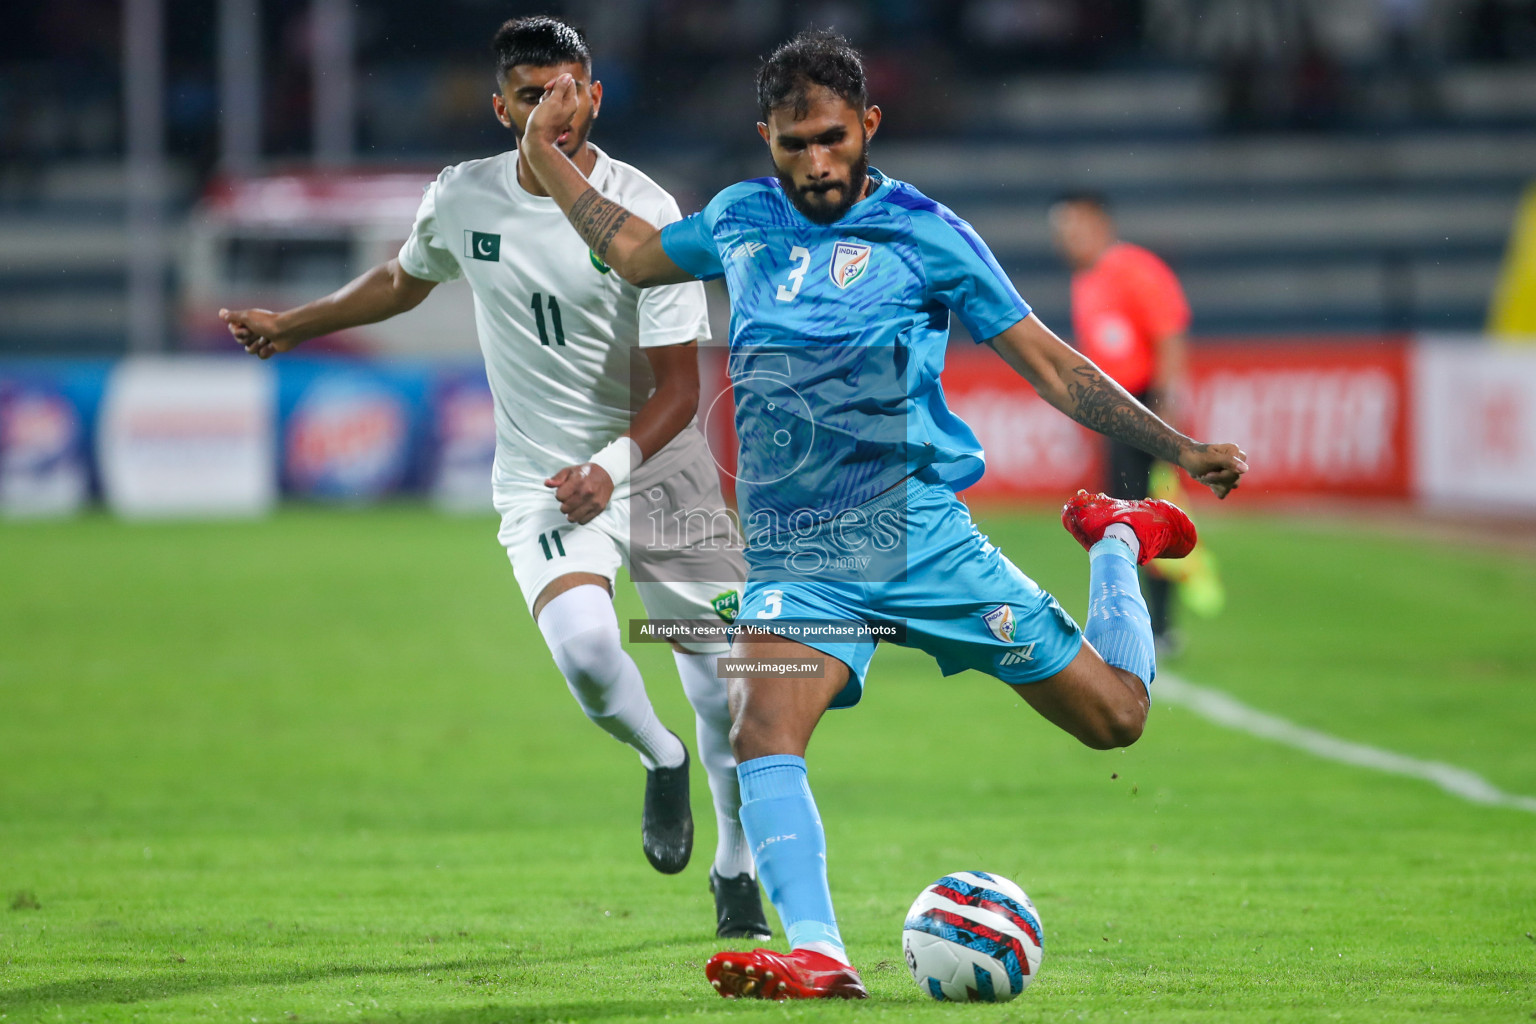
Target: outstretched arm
x=623, y=241
x=1074, y=385
x=383, y=292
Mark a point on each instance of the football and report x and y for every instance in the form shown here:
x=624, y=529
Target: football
x=973, y=937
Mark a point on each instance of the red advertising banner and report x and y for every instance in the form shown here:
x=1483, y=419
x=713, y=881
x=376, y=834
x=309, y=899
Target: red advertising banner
x=1325, y=416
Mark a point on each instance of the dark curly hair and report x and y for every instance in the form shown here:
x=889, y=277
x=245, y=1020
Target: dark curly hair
x=540, y=41
x=814, y=57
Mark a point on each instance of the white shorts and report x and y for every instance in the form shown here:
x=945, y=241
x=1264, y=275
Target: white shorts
x=681, y=547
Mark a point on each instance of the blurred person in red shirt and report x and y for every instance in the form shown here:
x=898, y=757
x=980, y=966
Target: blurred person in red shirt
x=1130, y=317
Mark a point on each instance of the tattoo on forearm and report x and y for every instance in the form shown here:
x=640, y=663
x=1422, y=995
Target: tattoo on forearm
x=597, y=220
x=1100, y=404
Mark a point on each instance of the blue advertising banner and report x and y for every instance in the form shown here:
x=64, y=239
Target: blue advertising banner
x=353, y=431
x=464, y=441
x=48, y=412
x=344, y=429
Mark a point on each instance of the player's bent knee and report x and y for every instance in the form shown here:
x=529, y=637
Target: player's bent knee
x=586, y=661
x=763, y=725
x=1116, y=726
x=1125, y=729
x=1100, y=706
x=750, y=735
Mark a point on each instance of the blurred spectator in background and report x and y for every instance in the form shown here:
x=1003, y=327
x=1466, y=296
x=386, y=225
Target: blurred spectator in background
x=1130, y=317
x=1408, y=62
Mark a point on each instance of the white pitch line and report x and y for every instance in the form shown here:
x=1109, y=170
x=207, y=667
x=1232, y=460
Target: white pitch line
x=1231, y=712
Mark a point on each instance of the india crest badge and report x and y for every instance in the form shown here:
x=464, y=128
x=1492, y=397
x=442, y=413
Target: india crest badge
x=1001, y=622
x=850, y=261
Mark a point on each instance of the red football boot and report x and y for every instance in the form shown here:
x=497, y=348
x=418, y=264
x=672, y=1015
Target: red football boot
x=1161, y=526
x=764, y=974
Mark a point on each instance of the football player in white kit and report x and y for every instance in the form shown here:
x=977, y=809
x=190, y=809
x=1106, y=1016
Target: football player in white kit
x=596, y=393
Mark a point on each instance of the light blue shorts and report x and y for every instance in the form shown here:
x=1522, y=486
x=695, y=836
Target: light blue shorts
x=911, y=557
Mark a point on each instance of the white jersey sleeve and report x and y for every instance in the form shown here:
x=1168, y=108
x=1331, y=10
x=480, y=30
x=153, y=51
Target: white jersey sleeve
x=426, y=254
x=672, y=314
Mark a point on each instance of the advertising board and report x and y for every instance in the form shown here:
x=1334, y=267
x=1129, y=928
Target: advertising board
x=1475, y=425
x=47, y=418
x=1316, y=417
x=188, y=437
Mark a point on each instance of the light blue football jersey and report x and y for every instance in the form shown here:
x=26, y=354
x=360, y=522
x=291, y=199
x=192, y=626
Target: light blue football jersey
x=837, y=340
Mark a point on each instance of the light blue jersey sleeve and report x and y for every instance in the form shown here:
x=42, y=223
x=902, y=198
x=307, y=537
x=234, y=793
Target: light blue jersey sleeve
x=964, y=275
x=690, y=243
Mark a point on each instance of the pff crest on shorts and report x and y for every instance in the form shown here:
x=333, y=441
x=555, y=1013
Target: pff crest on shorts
x=726, y=604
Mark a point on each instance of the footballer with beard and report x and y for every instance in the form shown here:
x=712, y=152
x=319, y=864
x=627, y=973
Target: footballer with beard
x=842, y=282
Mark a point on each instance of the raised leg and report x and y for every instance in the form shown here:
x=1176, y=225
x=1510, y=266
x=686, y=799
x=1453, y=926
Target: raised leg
x=1103, y=706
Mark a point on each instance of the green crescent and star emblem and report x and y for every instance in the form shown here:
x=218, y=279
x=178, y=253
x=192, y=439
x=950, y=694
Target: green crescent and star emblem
x=482, y=245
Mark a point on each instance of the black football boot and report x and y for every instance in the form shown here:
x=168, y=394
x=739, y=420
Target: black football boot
x=739, y=907
x=666, y=827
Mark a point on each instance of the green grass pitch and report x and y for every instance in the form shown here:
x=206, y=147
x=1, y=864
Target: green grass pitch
x=321, y=768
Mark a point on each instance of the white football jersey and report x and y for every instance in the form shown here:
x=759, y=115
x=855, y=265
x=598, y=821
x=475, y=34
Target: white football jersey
x=560, y=331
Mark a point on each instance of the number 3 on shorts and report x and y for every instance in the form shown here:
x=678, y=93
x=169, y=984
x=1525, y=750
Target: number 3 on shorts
x=774, y=599
x=788, y=292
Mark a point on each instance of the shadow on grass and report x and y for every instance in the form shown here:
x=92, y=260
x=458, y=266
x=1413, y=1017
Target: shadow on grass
x=168, y=983
x=599, y=1009
x=548, y=1014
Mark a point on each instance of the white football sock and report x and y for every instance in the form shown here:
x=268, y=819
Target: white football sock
x=1122, y=532
x=831, y=949
x=706, y=692
x=582, y=632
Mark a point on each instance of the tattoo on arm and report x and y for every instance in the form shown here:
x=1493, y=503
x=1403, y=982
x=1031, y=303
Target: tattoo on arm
x=1100, y=404
x=597, y=220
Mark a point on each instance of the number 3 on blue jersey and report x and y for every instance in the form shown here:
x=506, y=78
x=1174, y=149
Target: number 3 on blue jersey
x=788, y=292
x=774, y=599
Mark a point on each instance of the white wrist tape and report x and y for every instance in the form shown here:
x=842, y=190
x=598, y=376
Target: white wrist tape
x=619, y=458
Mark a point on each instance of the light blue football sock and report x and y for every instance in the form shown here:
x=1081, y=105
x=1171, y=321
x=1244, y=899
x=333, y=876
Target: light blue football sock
x=1119, y=626
x=779, y=817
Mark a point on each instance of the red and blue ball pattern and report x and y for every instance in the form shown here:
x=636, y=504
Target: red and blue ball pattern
x=973, y=936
